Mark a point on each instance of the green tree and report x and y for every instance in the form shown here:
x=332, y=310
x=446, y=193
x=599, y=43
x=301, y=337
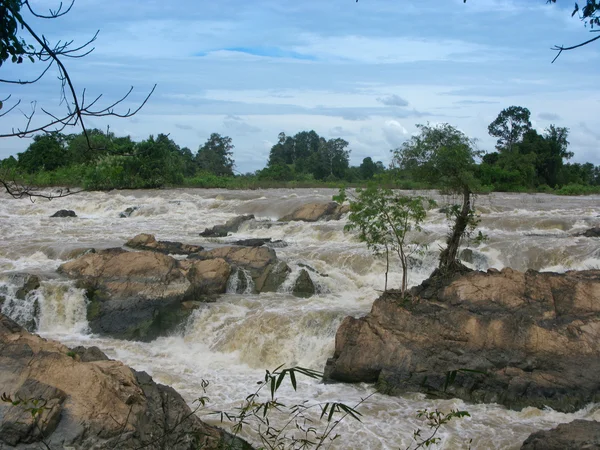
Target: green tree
x=383, y=219
x=368, y=168
x=215, y=156
x=445, y=157
x=509, y=127
x=46, y=152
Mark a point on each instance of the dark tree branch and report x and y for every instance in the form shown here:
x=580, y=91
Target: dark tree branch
x=560, y=48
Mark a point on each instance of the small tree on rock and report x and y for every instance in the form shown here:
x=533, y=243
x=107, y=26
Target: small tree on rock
x=383, y=219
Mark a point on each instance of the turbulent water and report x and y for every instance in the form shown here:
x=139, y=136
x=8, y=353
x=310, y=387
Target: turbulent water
x=231, y=342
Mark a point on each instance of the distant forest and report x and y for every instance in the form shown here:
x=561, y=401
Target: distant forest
x=524, y=160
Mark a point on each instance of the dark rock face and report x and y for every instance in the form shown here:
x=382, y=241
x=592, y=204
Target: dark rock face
x=149, y=242
x=579, y=434
x=592, y=232
x=312, y=212
x=531, y=336
x=304, y=286
x=257, y=242
x=64, y=213
x=89, y=354
x=94, y=404
x=231, y=226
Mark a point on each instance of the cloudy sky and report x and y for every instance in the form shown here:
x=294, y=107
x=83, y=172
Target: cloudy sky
x=366, y=72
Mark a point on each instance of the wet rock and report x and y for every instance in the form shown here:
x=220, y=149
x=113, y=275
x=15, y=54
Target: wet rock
x=30, y=283
x=312, y=269
x=95, y=404
x=88, y=354
x=531, y=337
x=64, y=213
x=139, y=295
x=303, y=286
x=261, y=263
x=592, y=232
x=231, y=226
x=312, y=212
x=579, y=434
x=128, y=212
x=466, y=255
x=255, y=242
x=148, y=242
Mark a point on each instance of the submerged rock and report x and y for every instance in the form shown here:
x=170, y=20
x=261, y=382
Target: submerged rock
x=64, y=213
x=139, y=295
x=531, y=338
x=312, y=212
x=592, y=232
x=148, y=242
x=257, y=242
x=303, y=286
x=128, y=212
x=97, y=403
x=579, y=434
x=231, y=226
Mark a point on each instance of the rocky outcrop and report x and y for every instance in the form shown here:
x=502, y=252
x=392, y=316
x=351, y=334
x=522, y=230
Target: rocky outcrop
x=579, y=434
x=519, y=339
x=64, y=213
x=93, y=403
x=303, y=286
x=231, y=226
x=148, y=242
x=139, y=295
x=128, y=212
x=267, y=272
x=312, y=212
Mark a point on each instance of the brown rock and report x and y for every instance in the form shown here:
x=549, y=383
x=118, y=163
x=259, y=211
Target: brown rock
x=533, y=334
x=149, y=242
x=312, y=212
x=98, y=404
x=579, y=434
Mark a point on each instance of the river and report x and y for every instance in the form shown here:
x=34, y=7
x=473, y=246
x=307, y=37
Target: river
x=231, y=342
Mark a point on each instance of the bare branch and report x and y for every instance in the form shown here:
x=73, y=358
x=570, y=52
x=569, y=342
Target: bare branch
x=560, y=48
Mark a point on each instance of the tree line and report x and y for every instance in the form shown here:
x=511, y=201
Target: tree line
x=524, y=160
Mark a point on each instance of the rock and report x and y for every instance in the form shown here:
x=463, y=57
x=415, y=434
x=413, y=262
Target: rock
x=262, y=264
x=149, y=242
x=231, y=226
x=312, y=269
x=303, y=286
x=312, y=212
x=94, y=404
x=128, y=212
x=89, y=354
x=531, y=336
x=30, y=283
x=467, y=255
x=64, y=213
x=579, y=434
x=592, y=232
x=138, y=295
x=256, y=242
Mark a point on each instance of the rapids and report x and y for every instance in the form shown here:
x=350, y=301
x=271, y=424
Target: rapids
x=231, y=342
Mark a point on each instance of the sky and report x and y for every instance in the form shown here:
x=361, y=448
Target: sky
x=367, y=72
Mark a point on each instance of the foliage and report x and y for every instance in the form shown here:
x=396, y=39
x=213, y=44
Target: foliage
x=215, y=156
x=445, y=156
x=383, y=219
x=300, y=429
x=435, y=420
x=509, y=127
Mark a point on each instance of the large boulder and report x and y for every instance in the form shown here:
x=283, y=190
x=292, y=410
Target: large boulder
x=579, y=434
x=303, y=286
x=148, y=242
x=267, y=272
x=312, y=212
x=93, y=403
x=231, y=226
x=519, y=339
x=139, y=295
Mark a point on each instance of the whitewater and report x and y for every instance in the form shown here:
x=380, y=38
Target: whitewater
x=232, y=341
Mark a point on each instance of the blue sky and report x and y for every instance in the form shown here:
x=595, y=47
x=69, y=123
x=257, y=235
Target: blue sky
x=366, y=72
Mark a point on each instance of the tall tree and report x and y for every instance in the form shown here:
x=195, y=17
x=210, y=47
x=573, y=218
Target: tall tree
x=509, y=127
x=216, y=155
x=444, y=156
